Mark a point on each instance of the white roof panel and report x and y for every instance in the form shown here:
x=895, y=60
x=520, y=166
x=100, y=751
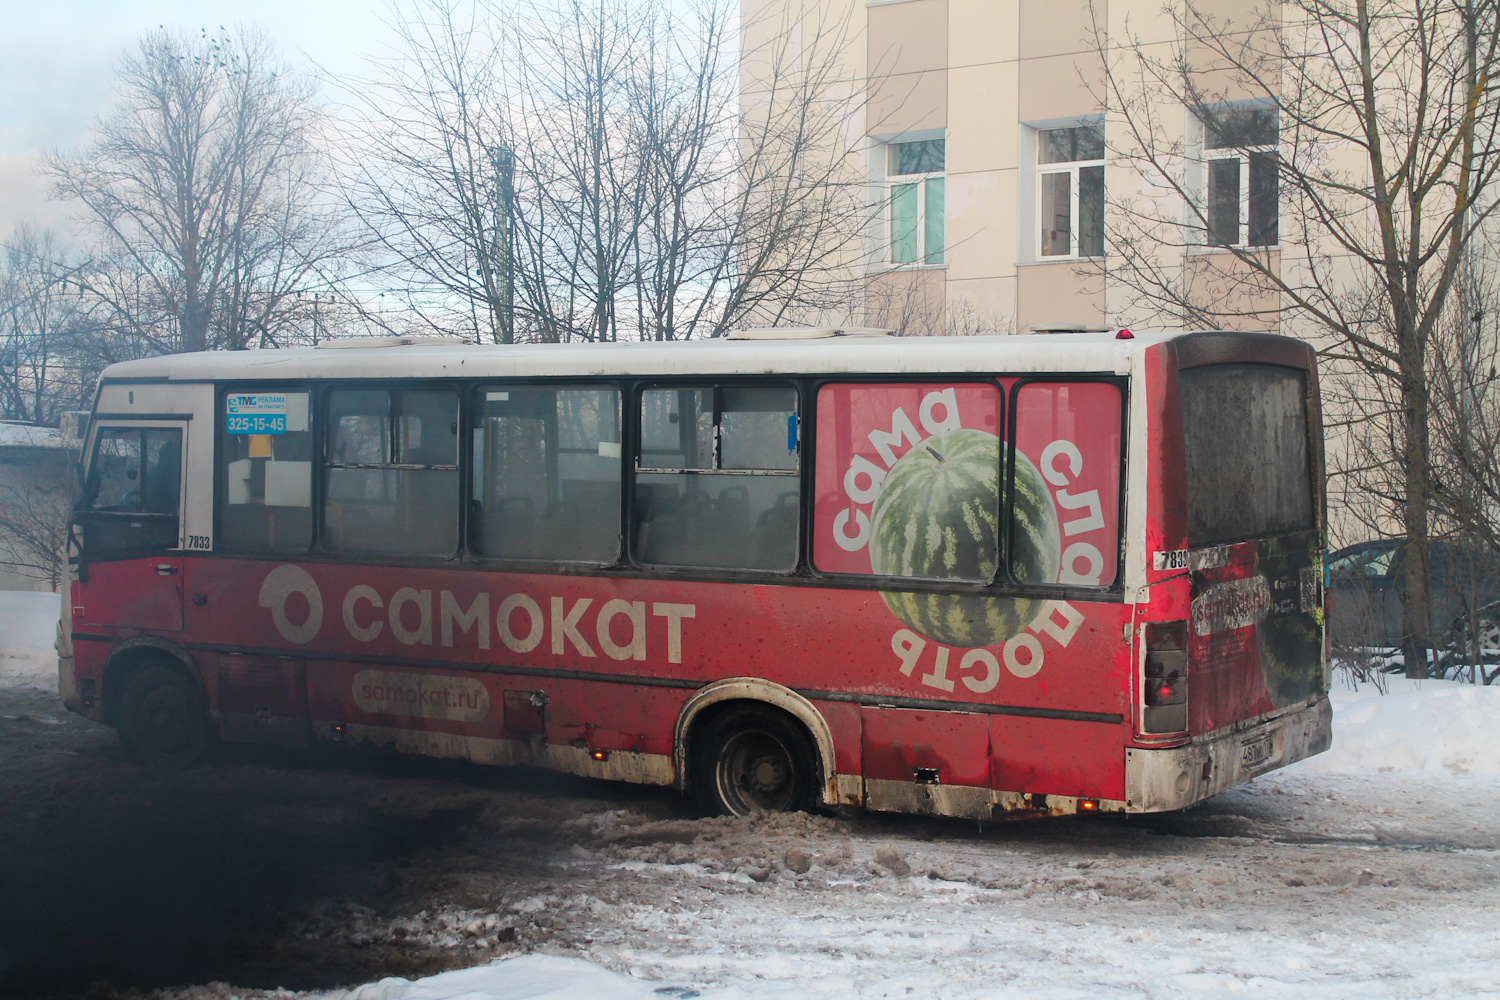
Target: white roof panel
x=1084, y=352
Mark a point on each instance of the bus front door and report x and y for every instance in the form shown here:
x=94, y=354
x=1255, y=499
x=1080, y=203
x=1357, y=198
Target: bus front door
x=127, y=528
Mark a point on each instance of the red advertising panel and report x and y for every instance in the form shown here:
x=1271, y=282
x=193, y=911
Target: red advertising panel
x=907, y=484
x=1066, y=484
x=1069, y=433
x=863, y=433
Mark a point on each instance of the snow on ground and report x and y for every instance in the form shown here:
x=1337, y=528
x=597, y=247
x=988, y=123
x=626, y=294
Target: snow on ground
x=1434, y=727
x=1369, y=871
x=28, y=623
x=1402, y=762
x=526, y=977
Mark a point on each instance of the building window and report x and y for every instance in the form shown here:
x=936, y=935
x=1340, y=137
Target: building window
x=915, y=172
x=1241, y=183
x=1070, y=190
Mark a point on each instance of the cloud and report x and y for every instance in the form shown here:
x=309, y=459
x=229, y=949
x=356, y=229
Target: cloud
x=24, y=198
x=57, y=64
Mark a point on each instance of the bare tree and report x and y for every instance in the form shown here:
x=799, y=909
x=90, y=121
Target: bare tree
x=35, y=510
x=1371, y=125
x=1465, y=418
x=44, y=316
x=202, y=190
x=586, y=145
x=798, y=240
x=428, y=167
x=908, y=309
x=563, y=170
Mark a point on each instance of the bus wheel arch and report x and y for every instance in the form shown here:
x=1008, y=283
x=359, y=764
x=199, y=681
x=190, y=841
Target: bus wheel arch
x=749, y=697
x=155, y=698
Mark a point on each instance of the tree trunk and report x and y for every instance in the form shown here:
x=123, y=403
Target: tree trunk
x=1415, y=579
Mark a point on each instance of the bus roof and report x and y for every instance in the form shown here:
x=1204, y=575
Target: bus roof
x=1067, y=352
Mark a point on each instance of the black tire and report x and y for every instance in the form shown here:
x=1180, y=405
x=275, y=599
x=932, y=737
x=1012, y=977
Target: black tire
x=751, y=760
x=163, y=721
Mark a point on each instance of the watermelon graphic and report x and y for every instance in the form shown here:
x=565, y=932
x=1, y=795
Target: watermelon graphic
x=937, y=517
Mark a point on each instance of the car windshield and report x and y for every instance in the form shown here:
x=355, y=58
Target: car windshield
x=1373, y=563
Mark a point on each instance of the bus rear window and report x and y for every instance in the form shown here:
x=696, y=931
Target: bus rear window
x=1246, y=450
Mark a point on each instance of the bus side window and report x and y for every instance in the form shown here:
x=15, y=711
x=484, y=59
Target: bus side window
x=267, y=493
x=1068, y=433
x=116, y=475
x=546, y=474
x=392, y=472
x=717, y=482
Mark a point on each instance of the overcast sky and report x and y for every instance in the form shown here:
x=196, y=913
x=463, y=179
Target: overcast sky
x=57, y=58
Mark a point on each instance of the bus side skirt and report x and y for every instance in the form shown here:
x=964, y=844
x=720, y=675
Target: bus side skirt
x=616, y=765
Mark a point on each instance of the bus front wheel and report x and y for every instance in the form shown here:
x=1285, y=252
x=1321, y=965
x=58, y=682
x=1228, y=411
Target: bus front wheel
x=751, y=760
x=163, y=721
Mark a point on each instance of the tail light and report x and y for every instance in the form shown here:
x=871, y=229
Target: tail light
x=1166, y=682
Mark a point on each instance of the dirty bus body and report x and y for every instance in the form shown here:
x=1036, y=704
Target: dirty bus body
x=968, y=577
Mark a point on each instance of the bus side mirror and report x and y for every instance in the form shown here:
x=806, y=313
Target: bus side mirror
x=76, y=557
x=79, y=485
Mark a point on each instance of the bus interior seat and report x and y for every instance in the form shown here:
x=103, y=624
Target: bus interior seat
x=775, y=534
x=585, y=527
x=509, y=528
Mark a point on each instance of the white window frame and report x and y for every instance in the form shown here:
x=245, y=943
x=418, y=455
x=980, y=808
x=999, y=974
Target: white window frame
x=1203, y=159
x=882, y=188
x=1032, y=171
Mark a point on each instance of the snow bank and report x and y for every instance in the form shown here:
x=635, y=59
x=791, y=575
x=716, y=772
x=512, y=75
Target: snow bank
x=28, y=626
x=1435, y=727
x=526, y=977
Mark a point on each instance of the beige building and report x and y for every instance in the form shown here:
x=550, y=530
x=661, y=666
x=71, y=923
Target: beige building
x=986, y=155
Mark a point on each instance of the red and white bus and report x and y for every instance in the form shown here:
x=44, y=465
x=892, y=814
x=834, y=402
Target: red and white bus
x=962, y=576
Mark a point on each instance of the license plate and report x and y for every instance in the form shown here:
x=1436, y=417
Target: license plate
x=1256, y=751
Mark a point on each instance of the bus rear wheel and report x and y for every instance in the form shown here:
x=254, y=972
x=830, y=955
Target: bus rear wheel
x=752, y=760
x=163, y=721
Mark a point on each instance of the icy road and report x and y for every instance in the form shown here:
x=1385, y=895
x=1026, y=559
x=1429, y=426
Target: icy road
x=1371, y=872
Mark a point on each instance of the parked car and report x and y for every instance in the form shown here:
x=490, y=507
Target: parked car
x=1365, y=608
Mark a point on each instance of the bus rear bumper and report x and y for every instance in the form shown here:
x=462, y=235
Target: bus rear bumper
x=1175, y=778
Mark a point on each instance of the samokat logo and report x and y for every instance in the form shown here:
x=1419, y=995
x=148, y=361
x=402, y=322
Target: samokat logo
x=387, y=692
x=276, y=593
x=420, y=616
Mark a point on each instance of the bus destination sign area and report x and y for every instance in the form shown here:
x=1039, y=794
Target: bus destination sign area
x=264, y=413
